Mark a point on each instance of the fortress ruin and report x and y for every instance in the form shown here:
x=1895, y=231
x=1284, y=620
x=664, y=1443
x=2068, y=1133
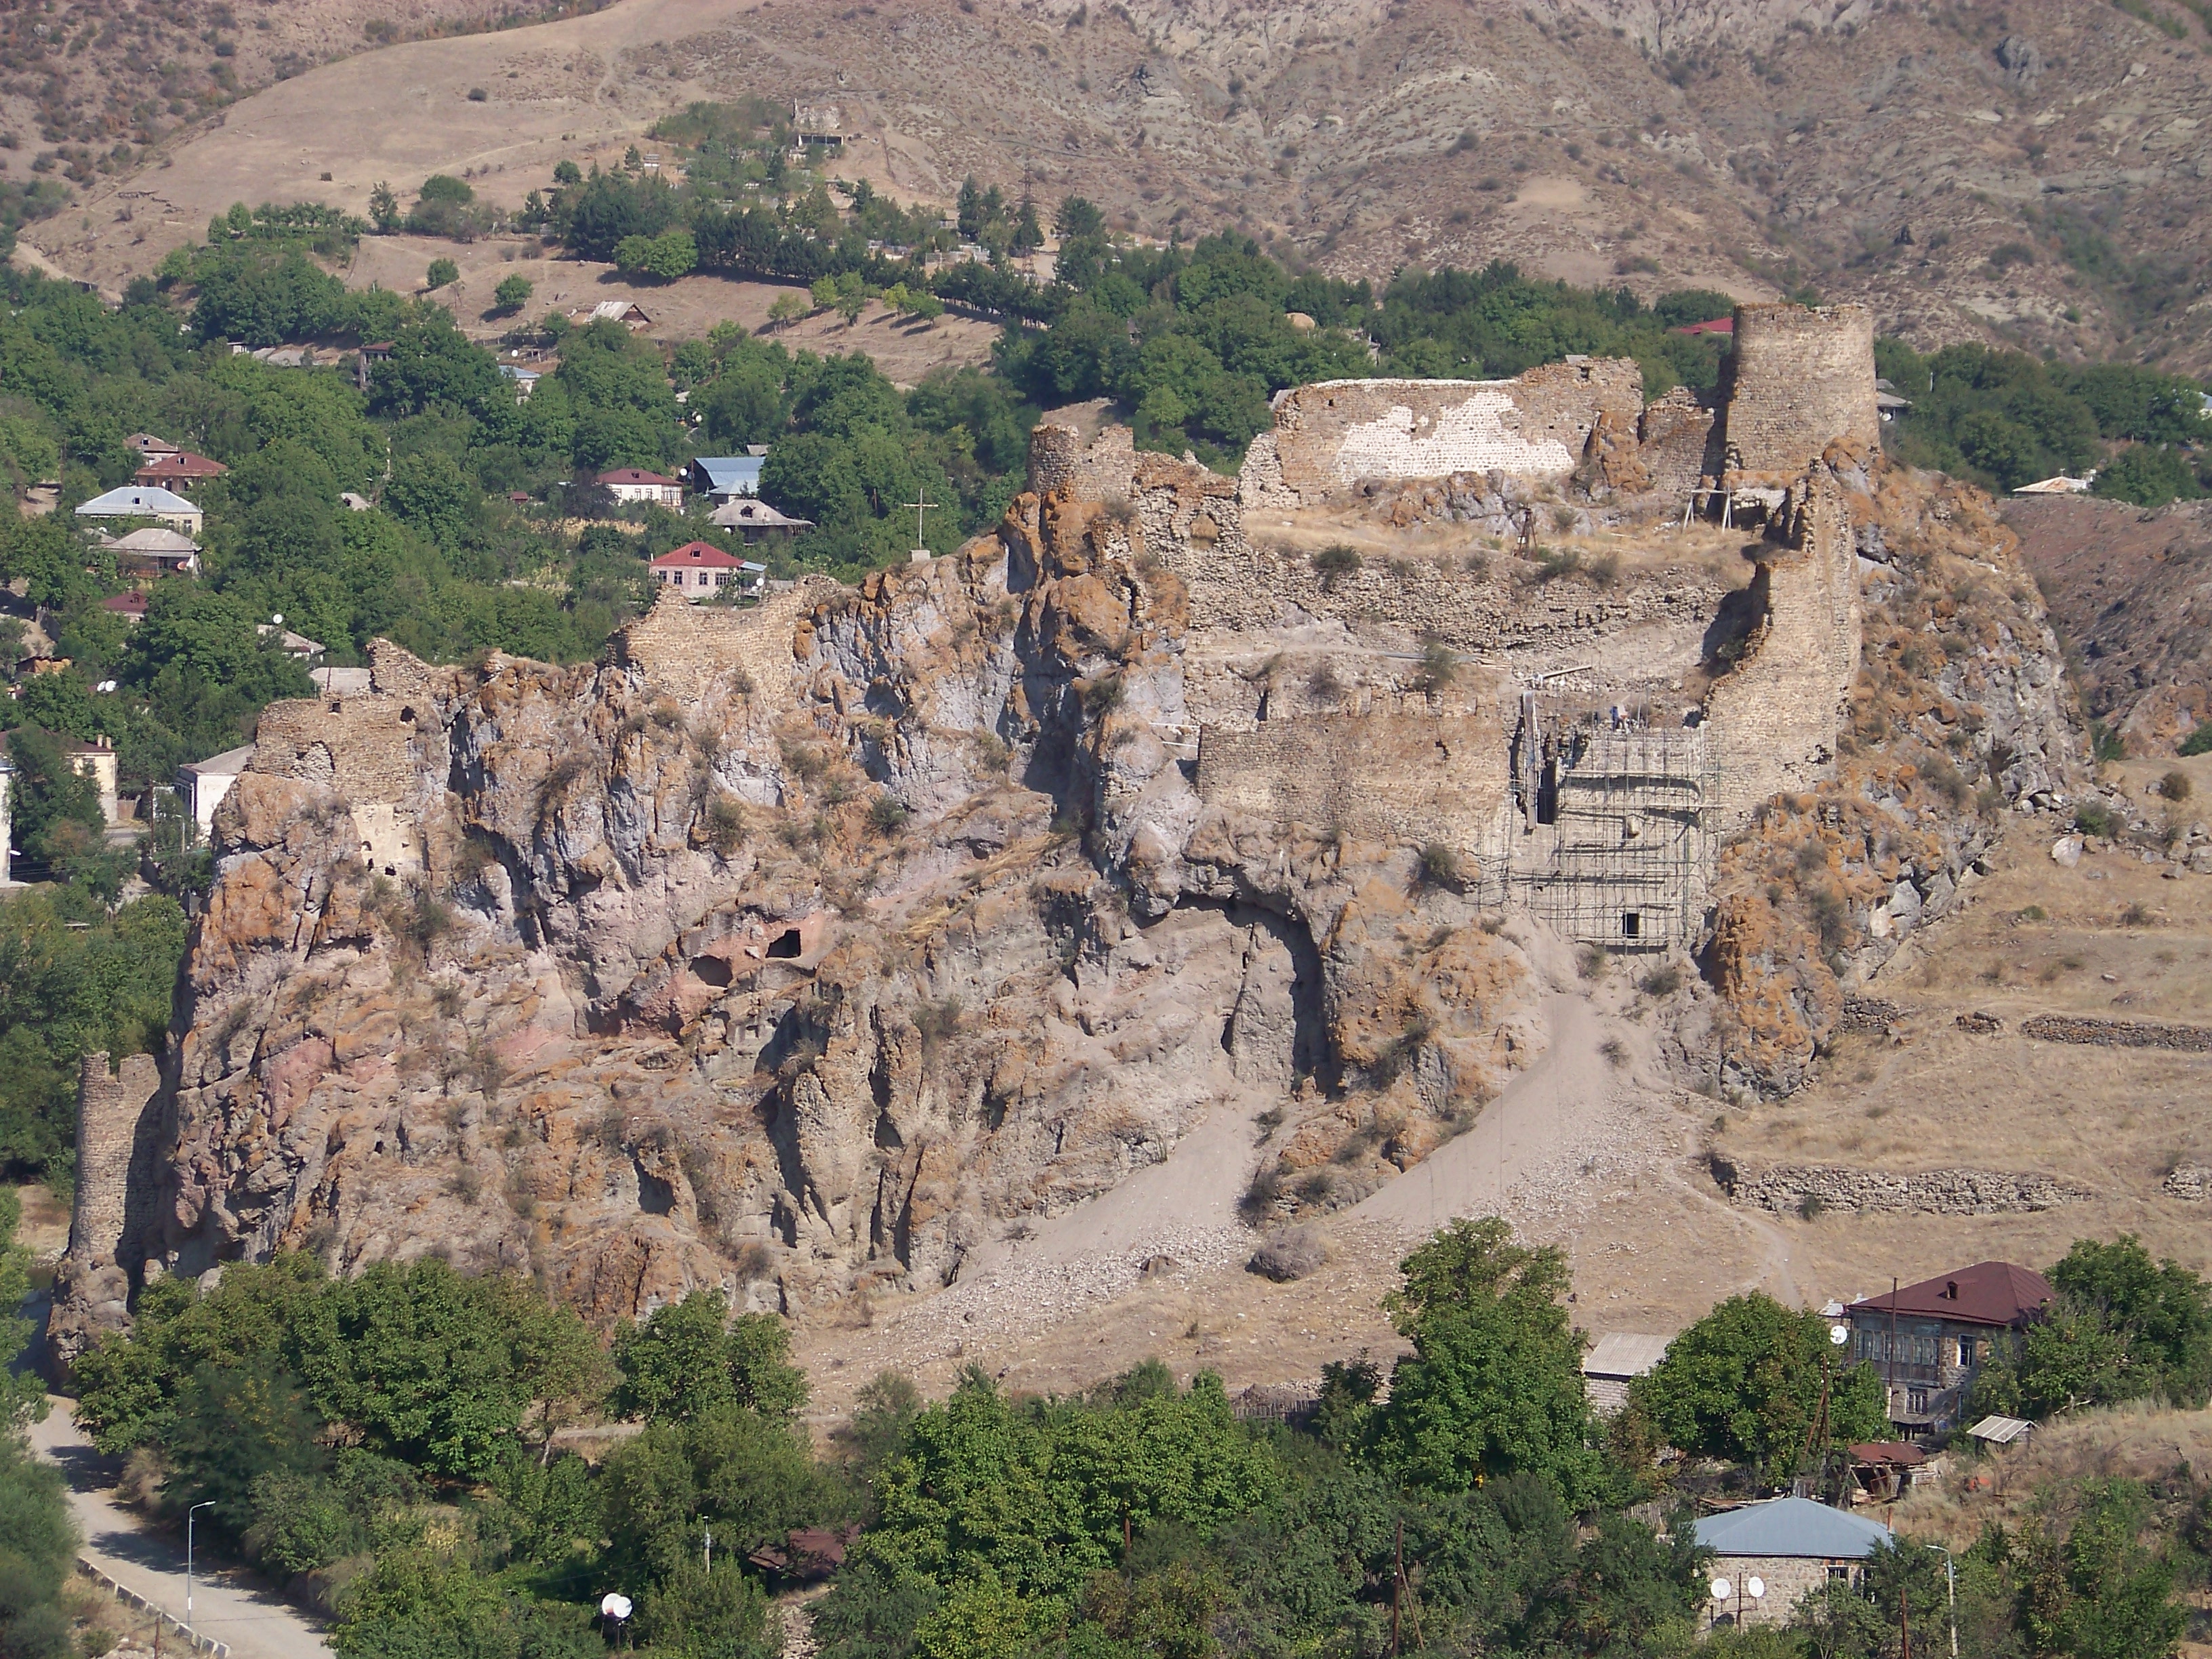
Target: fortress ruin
x=1583, y=742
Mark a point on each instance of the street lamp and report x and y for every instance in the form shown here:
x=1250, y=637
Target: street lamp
x=189, y=1515
x=1951, y=1591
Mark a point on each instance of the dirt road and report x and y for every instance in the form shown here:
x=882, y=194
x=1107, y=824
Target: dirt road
x=253, y=1620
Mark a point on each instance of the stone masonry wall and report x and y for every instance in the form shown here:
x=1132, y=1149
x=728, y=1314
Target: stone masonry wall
x=107, y=1108
x=362, y=747
x=679, y=647
x=1329, y=435
x=1098, y=472
x=1407, y=776
x=1801, y=378
x=1786, y=1188
x=1771, y=721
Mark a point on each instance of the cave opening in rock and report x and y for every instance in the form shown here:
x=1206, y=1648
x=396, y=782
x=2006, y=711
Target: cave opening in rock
x=785, y=943
x=711, y=970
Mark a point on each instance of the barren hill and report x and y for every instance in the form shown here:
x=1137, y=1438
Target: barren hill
x=2035, y=177
x=2131, y=592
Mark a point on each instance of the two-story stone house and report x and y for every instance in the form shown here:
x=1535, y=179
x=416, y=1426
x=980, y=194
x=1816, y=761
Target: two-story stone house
x=1929, y=1339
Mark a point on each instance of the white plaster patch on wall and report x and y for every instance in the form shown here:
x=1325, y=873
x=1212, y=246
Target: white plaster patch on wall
x=1471, y=437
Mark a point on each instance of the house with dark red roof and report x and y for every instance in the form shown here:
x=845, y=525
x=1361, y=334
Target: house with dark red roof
x=181, y=471
x=1929, y=1339
x=1723, y=326
x=699, y=571
x=634, y=484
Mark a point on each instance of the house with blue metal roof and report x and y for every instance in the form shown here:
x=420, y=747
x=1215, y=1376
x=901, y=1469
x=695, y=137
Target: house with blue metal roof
x=1770, y=1555
x=724, y=478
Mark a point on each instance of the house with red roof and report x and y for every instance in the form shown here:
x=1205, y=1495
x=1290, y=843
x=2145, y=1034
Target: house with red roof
x=634, y=484
x=1723, y=326
x=180, y=471
x=1929, y=1339
x=699, y=571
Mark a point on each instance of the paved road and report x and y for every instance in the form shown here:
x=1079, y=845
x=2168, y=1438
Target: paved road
x=228, y=1607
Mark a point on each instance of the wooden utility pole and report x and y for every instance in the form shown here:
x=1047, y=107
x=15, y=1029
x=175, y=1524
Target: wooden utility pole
x=1397, y=1582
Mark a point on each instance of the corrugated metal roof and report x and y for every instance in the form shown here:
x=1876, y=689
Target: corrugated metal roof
x=2001, y=1430
x=1792, y=1526
x=1987, y=1293
x=730, y=471
x=1624, y=1353
x=130, y=503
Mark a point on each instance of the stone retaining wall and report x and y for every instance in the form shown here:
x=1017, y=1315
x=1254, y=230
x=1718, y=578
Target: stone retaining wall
x=1786, y=1189
x=2118, y=1033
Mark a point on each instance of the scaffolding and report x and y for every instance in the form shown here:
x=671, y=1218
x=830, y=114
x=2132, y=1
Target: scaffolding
x=1613, y=849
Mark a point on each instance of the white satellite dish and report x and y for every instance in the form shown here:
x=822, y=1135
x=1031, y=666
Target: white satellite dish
x=279, y=619
x=1839, y=1335
x=1754, y=1588
x=1722, y=1589
x=614, y=1605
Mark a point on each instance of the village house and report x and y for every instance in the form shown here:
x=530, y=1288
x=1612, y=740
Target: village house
x=1929, y=1339
x=203, y=784
x=756, y=521
x=724, y=478
x=182, y=472
x=298, y=647
x=130, y=604
x=630, y=314
x=164, y=505
x=153, y=551
x=366, y=360
x=1768, y=1555
x=634, y=484
x=1615, y=1361
x=701, y=571
x=525, y=380
x=96, y=760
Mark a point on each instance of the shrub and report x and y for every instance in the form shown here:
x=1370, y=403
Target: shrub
x=885, y=815
x=724, y=825
x=2093, y=817
x=477, y=94
x=1439, y=665
x=513, y=293
x=2199, y=742
x=2174, y=786
x=1333, y=563
x=1661, y=981
x=443, y=273
x=1439, y=866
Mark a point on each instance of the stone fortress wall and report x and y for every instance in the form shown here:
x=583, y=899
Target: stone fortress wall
x=1607, y=823
x=1801, y=378
x=1331, y=435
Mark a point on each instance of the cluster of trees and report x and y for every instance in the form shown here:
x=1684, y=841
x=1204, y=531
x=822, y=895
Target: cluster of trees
x=37, y=1539
x=387, y=1443
x=2006, y=419
x=2125, y=1326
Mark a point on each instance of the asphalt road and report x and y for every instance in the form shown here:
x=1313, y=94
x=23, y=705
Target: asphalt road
x=228, y=1607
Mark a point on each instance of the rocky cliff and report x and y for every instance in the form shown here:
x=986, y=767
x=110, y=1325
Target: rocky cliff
x=795, y=951
x=810, y=949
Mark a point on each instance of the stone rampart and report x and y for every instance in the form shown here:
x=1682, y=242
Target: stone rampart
x=1535, y=427
x=1406, y=776
x=1793, y=1188
x=680, y=647
x=1097, y=471
x=363, y=748
x=1800, y=378
x=108, y=1105
x=1772, y=718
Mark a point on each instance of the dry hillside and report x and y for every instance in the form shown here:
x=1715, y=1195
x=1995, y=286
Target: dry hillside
x=2034, y=175
x=2131, y=591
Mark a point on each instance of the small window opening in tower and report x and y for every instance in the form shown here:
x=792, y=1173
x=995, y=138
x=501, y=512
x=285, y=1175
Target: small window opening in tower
x=1631, y=924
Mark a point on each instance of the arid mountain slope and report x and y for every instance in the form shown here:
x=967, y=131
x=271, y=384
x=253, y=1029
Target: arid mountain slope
x=2131, y=592
x=1881, y=152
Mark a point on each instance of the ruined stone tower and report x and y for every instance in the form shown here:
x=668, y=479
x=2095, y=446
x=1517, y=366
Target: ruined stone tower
x=107, y=1108
x=1801, y=378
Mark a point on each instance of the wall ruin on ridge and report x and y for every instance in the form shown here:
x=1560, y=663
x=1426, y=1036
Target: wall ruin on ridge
x=108, y=1107
x=1330, y=436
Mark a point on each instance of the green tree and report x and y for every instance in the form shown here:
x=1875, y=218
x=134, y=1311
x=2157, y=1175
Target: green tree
x=383, y=207
x=513, y=293
x=690, y=1357
x=443, y=273
x=1745, y=1383
x=233, y=1426
x=1494, y=1384
x=54, y=807
x=2148, y=475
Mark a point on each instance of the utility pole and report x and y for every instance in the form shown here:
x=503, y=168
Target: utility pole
x=1397, y=1582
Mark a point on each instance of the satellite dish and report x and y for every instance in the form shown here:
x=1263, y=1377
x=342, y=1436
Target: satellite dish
x=279, y=619
x=1839, y=1335
x=1722, y=1589
x=1754, y=1588
x=614, y=1605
